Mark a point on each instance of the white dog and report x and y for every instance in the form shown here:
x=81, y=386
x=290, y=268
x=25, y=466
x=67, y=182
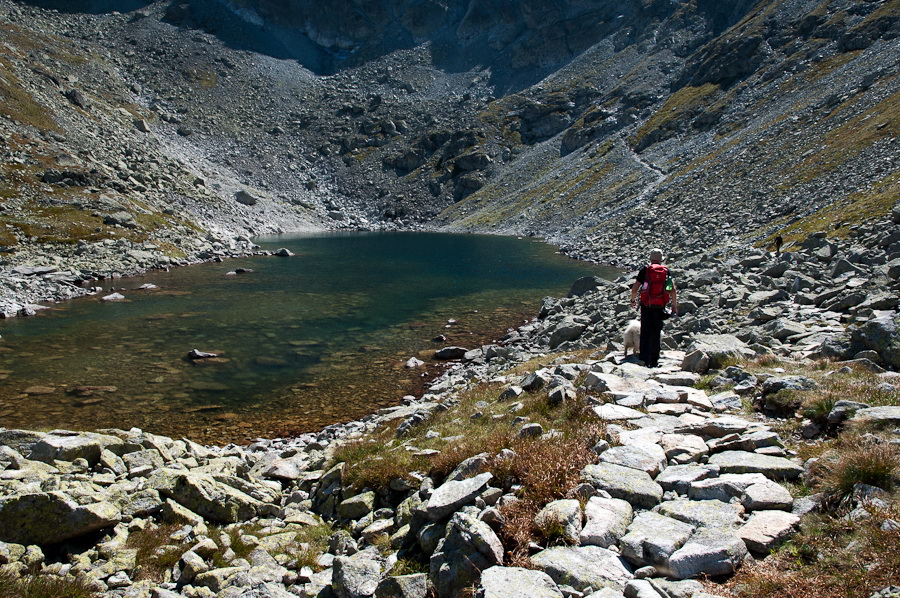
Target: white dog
x=633, y=337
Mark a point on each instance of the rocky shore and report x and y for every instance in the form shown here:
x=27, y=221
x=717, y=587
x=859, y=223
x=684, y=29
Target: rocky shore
x=683, y=486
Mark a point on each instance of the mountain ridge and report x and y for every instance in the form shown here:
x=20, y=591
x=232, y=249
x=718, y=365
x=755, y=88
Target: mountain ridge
x=682, y=126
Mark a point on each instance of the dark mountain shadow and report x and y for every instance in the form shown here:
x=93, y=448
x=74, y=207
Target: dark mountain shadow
x=91, y=6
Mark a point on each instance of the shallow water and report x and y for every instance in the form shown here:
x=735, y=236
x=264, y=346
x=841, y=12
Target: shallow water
x=304, y=342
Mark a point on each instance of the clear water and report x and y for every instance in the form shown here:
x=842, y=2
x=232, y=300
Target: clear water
x=304, y=341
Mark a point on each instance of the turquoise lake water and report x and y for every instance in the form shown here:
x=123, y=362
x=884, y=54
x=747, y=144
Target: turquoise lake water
x=304, y=341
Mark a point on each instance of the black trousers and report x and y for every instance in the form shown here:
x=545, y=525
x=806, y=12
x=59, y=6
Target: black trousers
x=651, y=331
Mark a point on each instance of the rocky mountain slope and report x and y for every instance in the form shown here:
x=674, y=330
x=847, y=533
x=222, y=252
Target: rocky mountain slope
x=169, y=132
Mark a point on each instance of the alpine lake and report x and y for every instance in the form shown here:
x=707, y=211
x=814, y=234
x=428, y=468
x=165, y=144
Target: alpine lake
x=302, y=342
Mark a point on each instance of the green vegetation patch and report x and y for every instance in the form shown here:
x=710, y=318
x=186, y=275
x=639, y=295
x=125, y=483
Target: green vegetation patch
x=838, y=218
x=19, y=105
x=882, y=121
x=205, y=78
x=687, y=102
x=157, y=553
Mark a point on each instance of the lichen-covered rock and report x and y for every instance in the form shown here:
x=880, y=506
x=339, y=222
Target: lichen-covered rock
x=68, y=446
x=212, y=500
x=703, y=513
x=356, y=576
x=403, y=586
x=51, y=517
x=469, y=547
x=652, y=538
x=767, y=529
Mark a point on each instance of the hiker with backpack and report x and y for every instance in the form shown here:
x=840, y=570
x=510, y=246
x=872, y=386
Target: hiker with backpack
x=657, y=289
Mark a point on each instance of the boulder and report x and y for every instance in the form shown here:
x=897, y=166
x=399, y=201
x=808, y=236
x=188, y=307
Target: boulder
x=882, y=335
x=403, y=586
x=708, y=552
x=448, y=353
x=684, y=448
x=607, y=521
x=680, y=478
x=647, y=457
x=357, y=506
x=536, y=380
x=652, y=538
x=209, y=498
x=719, y=348
x=67, y=446
x=287, y=469
x=696, y=362
x=516, y=582
x=469, y=547
x=754, y=491
x=585, y=285
x=703, y=513
x=568, y=329
x=889, y=415
x=584, y=566
x=51, y=517
x=246, y=198
x=561, y=518
x=609, y=412
x=356, y=576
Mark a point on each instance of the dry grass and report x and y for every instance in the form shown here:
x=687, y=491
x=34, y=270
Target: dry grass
x=830, y=557
x=856, y=460
x=42, y=586
x=547, y=470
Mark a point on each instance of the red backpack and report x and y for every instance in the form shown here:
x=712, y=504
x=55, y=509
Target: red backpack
x=654, y=291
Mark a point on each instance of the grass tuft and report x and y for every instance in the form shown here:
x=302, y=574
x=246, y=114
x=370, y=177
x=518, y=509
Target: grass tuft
x=861, y=460
x=156, y=552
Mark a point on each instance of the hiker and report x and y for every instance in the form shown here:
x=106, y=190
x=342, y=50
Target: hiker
x=657, y=289
x=778, y=243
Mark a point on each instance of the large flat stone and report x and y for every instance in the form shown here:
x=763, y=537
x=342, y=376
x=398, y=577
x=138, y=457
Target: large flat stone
x=607, y=521
x=450, y=496
x=767, y=529
x=703, y=513
x=745, y=462
x=652, y=538
x=609, y=412
x=647, y=457
x=709, y=552
x=583, y=566
x=887, y=414
x=516, y=582
x=754, y=490
x=632, y=485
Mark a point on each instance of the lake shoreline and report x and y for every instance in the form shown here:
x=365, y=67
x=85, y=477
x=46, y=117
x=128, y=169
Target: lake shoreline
x=216, y=418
